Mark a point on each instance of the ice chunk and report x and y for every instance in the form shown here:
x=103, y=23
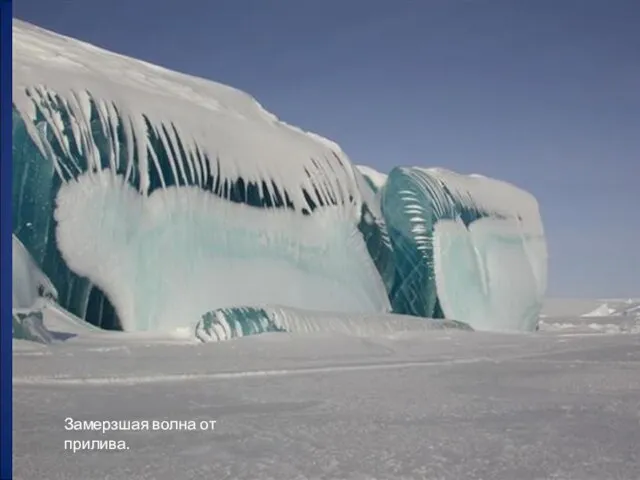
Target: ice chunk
x=484, y=277
x=465, y=247
x=227, y=323
x=30, y=326
x=29, y=284
x=224, y=324
x=31, y=290
x=602, y=311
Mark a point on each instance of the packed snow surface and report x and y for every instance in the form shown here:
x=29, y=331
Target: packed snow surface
x=561, y=404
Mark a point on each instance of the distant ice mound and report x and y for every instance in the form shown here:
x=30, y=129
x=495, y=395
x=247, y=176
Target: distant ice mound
x=149, y=198
x=594, y=307
x=604, y=315
x=602, y=311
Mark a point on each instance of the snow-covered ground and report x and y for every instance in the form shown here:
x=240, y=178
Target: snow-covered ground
x=563, y=403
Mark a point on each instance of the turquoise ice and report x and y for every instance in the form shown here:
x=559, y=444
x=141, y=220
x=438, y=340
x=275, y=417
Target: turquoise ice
x=150, y=198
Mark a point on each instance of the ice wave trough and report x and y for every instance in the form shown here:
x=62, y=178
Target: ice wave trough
x=150, y=198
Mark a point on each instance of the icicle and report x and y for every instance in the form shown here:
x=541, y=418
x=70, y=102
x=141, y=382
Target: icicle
x=129, y=139
x=23, y=105
x=112, y=116
x=140, y=133
x=75, y=128
x=103, y=116
x=82, y=115
x=51, y=116
x=173, y=152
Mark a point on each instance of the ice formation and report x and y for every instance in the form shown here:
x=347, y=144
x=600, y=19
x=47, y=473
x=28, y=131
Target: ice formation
x=31, y=292
x=227, y=323
x=603, y=310
x=150, y=198
x=465, y=247
x=29, y=283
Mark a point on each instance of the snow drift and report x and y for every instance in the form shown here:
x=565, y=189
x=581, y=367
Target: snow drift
x=149, y=198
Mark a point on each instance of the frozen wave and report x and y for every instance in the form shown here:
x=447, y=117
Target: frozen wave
x=224, y=324
x=484, y=276
x=150, y=197
x=465, y=247
x=165, y=258
x=148, y=168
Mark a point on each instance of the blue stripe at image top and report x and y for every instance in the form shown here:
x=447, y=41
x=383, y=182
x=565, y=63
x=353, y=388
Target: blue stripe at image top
x=5, y=241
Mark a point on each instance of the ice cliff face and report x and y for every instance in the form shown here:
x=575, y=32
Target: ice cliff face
x=150, y=198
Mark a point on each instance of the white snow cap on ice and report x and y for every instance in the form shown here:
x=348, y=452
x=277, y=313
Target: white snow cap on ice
x=225, y=125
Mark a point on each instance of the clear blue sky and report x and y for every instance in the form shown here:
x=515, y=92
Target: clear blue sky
x=542, y=93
